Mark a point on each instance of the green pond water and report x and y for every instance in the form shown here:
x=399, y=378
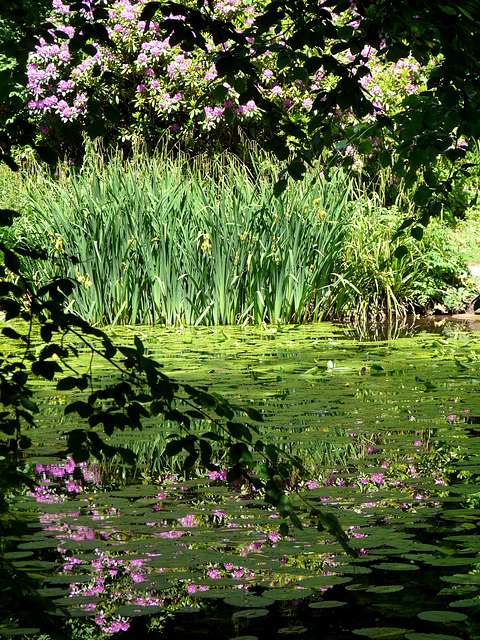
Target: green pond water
x=389, y=432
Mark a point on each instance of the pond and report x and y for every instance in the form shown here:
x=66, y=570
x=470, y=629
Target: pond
x=388, y=433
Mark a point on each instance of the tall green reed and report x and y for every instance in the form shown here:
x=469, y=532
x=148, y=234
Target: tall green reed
x=171, y=241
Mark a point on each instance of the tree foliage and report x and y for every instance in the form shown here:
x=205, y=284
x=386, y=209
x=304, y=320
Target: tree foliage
x=429, y=126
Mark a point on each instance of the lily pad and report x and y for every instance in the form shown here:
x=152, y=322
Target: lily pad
x=320, y=582
x=381, y=633
x=442, y=616
x=27, y=631
x=469, y=602
x=250, y=613
x=430, y=636
x=249, y=600
x=132, y=610
x=396, y=566
x=326, y=604
x=387, y=588
x=289, y=594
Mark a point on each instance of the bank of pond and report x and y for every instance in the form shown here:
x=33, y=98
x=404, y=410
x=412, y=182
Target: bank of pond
x=388, y=435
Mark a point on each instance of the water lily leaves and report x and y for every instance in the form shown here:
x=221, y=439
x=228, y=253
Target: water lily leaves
x=16, y=555
x=248, y=600
x=38, y=544
x=396, y=566
x=381, y=633
x=458, y=591
x=132, y=610
x=354, y=569
x=321, y=582
x=250, y=613
x=17, y=631
x=471, y=578
x=327, y=604
x=288, y=594
x=442, y=616
x=73, y=601
x=83, y=544
x=430, y=636
x=388, y=588
x=451, y=562
x=158, y=583
x=210, y=594
x=469, y=602
x=68, y=578
x=296, y=630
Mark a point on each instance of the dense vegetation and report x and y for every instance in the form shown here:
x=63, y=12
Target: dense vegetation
x=371, y=107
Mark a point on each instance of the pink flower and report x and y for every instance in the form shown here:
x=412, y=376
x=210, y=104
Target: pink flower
x=217, y=475
x=379, y=478
x=214, y=573
x=140, y=88
x=136, y=576
x=70, y=465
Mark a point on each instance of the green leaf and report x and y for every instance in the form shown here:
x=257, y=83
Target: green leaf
x=173, y=448
x=400, y=252
x=295, y=520
x=28, y=404
x=220, y=93
x=279, y=187
x=442, y=616
x=253, y=414
x=385, y=159
x=96, y=128
x=446, y=9
x=65, y=384
x=430, y=636
x=296, y=170
x=6, y=217
x=8, y=332
x=83, y=409
x=417, y=233
x=422, y=196
x=285, y=507
x=381, y=633
x=139, y=345
x=46, y=369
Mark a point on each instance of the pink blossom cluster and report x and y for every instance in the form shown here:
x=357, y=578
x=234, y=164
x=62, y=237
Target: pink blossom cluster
x=158, y=86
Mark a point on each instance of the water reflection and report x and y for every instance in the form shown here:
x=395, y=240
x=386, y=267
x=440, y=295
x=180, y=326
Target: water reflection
x=411, y=326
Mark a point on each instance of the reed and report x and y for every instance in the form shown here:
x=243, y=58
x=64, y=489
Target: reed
x=165, y=240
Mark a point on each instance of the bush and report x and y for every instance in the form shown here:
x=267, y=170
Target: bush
x=142, y=85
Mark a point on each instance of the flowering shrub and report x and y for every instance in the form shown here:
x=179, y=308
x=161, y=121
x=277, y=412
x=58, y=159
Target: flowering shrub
x=143, y=86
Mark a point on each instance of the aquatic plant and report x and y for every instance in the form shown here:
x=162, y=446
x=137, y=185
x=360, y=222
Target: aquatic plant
x=162, y=242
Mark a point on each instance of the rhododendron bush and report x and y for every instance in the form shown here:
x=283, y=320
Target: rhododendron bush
x=141, y=85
